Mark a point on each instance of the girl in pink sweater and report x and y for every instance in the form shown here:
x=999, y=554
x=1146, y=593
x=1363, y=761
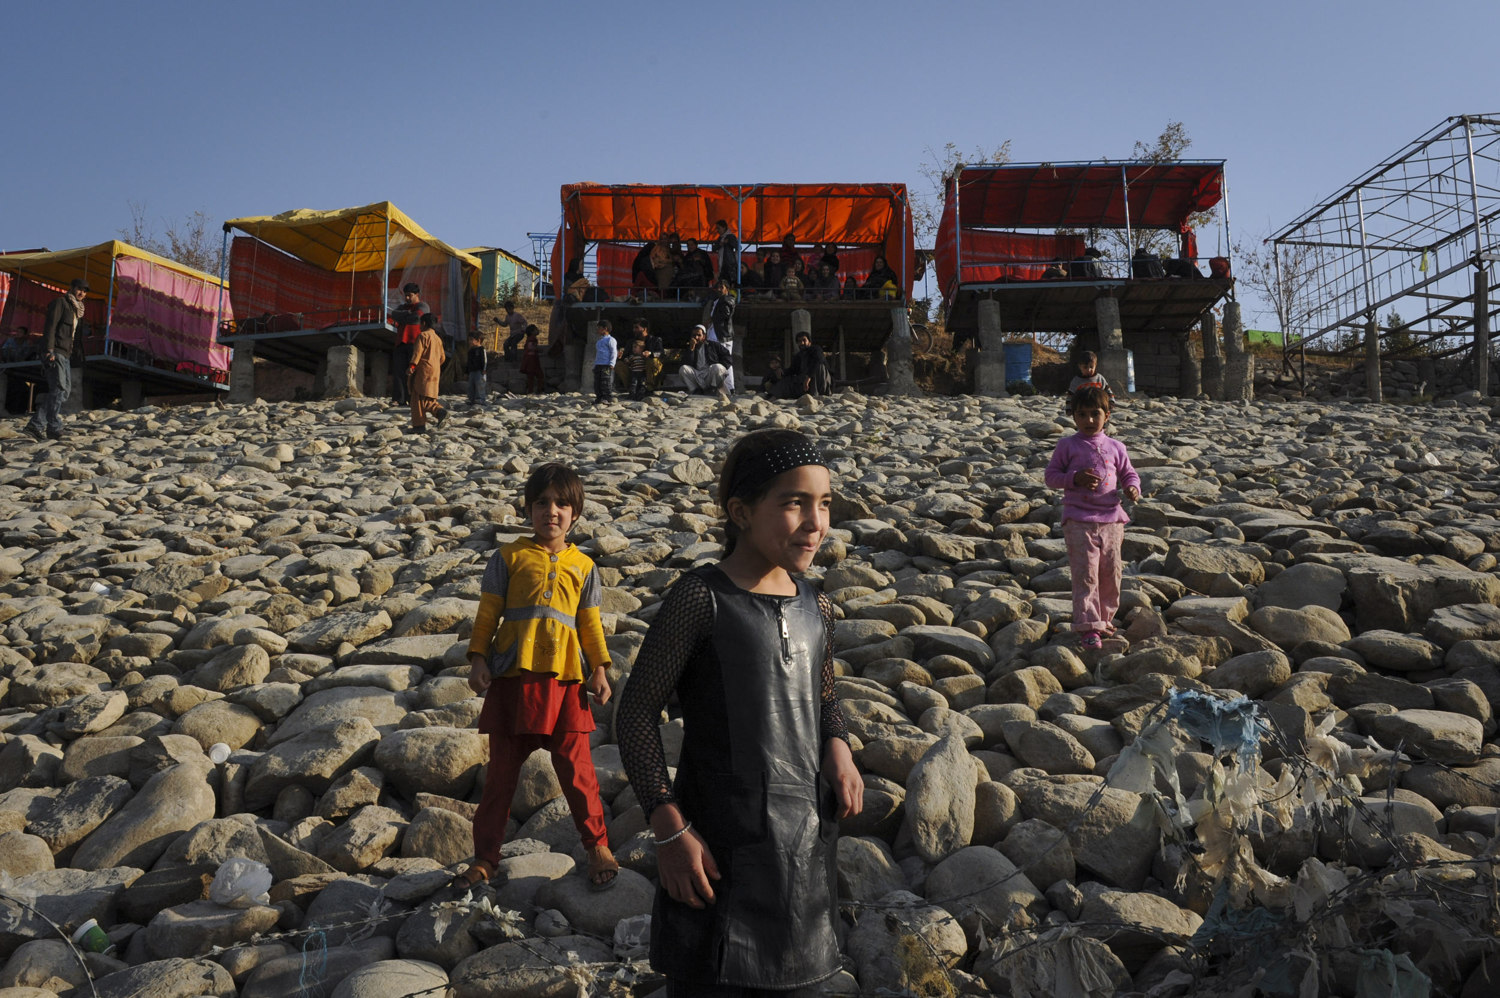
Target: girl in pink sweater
x=1093, y=470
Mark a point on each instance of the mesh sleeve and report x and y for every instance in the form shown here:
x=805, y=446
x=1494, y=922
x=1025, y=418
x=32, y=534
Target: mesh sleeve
x=678, y=634
x=831, y=723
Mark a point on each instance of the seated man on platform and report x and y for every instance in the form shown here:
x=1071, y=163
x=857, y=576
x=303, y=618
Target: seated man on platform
x=1084, y=267
x=1146, y=265
x=824, y=284
x=706, y=365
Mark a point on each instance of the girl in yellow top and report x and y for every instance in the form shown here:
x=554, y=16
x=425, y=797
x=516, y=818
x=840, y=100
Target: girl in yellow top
x=537, y=646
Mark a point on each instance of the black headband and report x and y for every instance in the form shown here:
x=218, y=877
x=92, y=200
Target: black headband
x=756, y=470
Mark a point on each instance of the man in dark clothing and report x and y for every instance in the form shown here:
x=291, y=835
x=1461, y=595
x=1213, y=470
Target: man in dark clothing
x=64, y=316
x=721, y=315
x=705, y=365
x=809, y=371
x=1085, y=267
x=726, y=246
x=408, y=322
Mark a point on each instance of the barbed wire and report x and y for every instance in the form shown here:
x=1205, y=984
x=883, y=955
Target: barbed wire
x=630, y=973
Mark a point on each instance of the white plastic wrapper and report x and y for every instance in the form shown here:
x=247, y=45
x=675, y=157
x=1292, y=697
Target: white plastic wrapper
x=241, y=883
x=633, y=937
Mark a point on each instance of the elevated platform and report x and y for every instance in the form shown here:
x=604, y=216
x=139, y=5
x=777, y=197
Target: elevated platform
x=285, y=340
x=105, y=374
x=760, y=325
x=1166, y=305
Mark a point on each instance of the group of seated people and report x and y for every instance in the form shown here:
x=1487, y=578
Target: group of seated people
x=1144, y=265
x=684, y=269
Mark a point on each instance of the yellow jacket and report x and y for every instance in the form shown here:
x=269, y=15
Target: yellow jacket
x=539, y=612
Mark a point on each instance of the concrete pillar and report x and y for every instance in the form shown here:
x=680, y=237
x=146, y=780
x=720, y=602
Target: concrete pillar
x=341, y=368
x=1213, y=359
x=1239, y=364
x=582, y=362
x=989, y=374
x=1481, y=331
x=901, y=378
x=1189, y=374
x=1111, y=343
x=132, y=394
x=361, y=364
x=242, y=374
x=378, y=364
x=74, y=402
x=1372, y=359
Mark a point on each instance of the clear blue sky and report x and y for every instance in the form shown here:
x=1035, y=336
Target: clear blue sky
x=470, y=116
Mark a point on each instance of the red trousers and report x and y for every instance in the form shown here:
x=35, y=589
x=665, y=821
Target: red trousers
x=575, y=771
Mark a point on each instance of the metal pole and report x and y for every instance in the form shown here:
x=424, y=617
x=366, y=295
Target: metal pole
x=958, y=242
x=109, y=307
x=1229, y=246
x=1372, y=330
x=739, y=233
x=223, y=264
x=1481, y=280
x=385, y=268
x=1129, y=239
x=905, y=260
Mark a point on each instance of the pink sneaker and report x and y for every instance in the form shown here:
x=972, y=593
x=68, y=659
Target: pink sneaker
x=1091, y=640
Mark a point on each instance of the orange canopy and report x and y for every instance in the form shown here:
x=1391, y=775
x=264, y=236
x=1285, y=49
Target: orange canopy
x=848, y=214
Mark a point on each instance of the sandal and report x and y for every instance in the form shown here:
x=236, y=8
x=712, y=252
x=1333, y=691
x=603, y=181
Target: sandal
x=603, y=870
x=477, y=872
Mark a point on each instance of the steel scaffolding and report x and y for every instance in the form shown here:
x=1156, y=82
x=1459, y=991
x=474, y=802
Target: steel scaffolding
x=1415, y=234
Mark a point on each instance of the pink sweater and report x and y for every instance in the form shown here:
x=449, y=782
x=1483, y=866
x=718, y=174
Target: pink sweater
x=1105, y=457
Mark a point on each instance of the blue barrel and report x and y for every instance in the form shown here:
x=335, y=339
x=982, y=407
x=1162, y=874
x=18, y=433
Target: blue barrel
x=1018, y=362
x=1130, y=370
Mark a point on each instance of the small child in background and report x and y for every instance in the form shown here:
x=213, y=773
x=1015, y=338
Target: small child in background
x=1087, y=364
x=605, y=354
x=636, y=363
x=1094, y=471
x=475, y=366
x=537, y=646
x=531, y=361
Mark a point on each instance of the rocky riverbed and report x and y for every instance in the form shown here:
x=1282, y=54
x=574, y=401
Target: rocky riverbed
x=1303, y=778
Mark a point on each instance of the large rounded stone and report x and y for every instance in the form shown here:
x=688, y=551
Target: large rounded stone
x=433, y=760
x=940, y=800
x=169, y=803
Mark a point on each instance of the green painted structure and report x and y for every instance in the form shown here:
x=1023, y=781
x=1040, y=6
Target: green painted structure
x=502, y=274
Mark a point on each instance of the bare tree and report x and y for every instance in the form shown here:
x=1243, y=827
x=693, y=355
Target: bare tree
x=192, y=241
x=1286, y=284
x=937, y=168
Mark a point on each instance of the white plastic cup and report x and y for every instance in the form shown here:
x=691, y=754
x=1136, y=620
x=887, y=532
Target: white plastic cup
x=218, y=753
x=92, y=938
x=98, y=587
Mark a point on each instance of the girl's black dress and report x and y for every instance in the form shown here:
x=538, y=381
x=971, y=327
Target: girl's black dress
x=754, y=677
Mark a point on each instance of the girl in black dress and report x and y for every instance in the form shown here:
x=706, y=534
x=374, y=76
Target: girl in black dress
x=747, y=903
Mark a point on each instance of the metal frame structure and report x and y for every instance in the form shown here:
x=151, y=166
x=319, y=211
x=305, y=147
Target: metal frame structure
x=1403, y=235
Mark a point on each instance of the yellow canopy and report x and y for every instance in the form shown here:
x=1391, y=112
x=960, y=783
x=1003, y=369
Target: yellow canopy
x=92, y=263
x=352, y=239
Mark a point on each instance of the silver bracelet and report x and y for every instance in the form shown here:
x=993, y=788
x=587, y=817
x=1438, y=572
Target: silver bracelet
x=675, y=835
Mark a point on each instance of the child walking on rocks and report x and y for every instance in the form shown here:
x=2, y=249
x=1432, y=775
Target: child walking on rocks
x=537, y=648
x=746, y=833
x=1094, y=471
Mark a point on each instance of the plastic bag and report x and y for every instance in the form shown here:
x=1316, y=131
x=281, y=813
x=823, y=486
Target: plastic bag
x=241, y=883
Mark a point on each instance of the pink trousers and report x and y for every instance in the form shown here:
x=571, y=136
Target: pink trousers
x=1094, y=560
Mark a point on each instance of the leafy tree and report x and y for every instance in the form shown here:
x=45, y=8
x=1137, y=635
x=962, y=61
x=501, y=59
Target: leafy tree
x=193, y=241
x=1170, y=145
x=937, y=168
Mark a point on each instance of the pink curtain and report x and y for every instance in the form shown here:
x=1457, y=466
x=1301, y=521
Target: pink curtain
x=167, y=314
